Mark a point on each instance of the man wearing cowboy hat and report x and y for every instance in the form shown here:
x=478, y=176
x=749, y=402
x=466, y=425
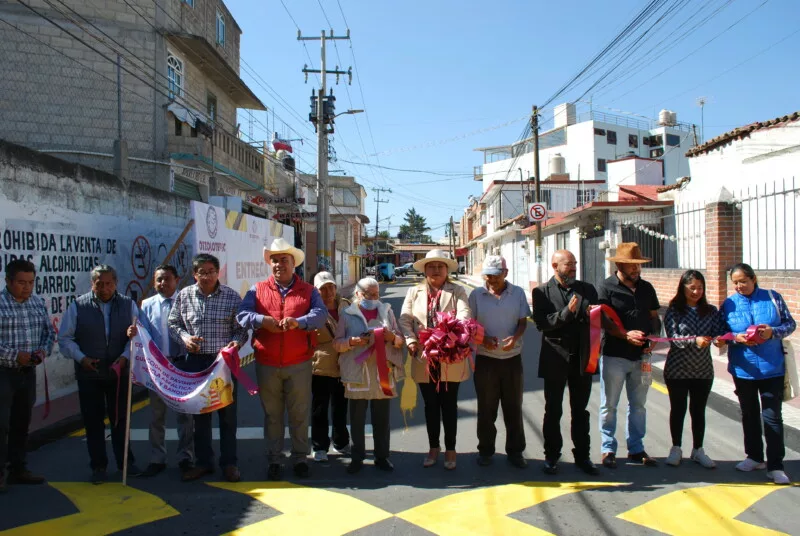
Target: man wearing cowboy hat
x=636, y=303
x=283, y=312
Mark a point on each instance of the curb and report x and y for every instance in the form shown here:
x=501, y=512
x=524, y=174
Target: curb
x=730, y=408
x=61, y=429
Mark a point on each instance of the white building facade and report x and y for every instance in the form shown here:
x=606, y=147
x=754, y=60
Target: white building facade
x=574, y=160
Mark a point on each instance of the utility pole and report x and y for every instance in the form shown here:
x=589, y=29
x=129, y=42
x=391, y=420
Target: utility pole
x=452, y=240
x=378, y=201
x=538, y=191
x=321, y=122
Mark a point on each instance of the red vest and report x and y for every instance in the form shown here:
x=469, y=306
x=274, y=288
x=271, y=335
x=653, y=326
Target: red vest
x=290, y=347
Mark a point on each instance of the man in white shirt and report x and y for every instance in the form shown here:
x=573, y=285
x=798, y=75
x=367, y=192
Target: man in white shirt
x=153, y=316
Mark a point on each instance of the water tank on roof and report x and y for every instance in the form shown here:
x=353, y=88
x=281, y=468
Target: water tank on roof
x=558, y=165
x=667, y=118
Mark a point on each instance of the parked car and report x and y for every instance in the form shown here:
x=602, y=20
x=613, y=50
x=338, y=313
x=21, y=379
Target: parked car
x=385, y=272
x=404, y=270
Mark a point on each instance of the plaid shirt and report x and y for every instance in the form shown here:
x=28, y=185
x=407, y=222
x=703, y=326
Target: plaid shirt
x=24, y=327
x=211, y=317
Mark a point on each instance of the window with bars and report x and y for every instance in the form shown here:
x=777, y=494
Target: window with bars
x=562, y=240
x=584, y=197
x=220, y=28
x=175, y=76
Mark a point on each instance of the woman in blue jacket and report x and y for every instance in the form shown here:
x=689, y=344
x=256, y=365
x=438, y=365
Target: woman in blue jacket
x=757, y=367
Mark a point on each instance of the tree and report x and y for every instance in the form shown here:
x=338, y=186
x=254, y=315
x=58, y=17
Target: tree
x=384, y=234
x=414, y=228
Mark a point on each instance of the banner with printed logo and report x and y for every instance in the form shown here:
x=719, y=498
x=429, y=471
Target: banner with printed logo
x=237, y=240
x=184, y=392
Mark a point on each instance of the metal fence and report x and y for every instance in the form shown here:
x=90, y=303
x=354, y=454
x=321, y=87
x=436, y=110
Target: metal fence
x=672, y=238
x=770, y=231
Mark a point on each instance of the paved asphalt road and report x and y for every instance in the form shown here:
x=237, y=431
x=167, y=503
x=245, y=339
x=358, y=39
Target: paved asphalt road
x=470, y=500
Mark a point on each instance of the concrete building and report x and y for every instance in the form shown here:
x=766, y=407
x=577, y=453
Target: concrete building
x=576, y=159
x=178, y=94
x=347, y=222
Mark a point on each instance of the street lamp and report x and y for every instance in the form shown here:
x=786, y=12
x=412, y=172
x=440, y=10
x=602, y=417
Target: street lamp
x=349, y=112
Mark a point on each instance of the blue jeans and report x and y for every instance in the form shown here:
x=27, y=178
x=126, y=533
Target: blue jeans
x=614, y=373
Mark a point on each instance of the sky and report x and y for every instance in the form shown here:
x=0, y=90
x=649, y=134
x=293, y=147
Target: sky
x=438, y=79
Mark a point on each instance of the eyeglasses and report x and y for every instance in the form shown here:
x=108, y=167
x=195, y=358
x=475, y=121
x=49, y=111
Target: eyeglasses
x=201, y=273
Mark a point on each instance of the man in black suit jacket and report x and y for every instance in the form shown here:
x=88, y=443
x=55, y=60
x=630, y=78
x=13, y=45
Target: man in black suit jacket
x=561, y=313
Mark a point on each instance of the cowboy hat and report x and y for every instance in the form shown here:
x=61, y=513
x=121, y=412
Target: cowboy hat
x=628, y=253
x=280, y=245
x=436, y=255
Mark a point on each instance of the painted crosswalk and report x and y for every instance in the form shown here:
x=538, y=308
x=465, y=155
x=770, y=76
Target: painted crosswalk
x=246, y=432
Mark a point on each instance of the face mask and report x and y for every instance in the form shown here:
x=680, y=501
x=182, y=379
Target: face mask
x=369, y=305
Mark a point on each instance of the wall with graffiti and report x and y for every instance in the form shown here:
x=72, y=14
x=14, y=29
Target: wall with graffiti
x=66, y=219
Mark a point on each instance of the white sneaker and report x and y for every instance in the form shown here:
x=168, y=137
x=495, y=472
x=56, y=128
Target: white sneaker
x=320, y=456
x=675, y=455
x=750, y=465
x=700, y=456
x=779, y=477
x=344, y=451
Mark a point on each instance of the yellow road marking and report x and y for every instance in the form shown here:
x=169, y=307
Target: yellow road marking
x=135, y=407
x=103, y=509
x=660, y=387
x=485, y=511
x=305, y=510
x=704, y=510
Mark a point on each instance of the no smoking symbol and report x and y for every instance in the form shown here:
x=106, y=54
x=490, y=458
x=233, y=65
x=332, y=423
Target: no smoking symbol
x=537, y=212
x=140, y=257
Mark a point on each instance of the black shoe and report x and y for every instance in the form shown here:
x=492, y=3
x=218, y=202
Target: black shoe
x=355, y=466
x=609, y=460
x=153, y=469
x=484, y=461
x=133, y=470
x=643, y=458
x=98, y=476
x=301, y=470
x=587, y=467
x=184, y=466
x=274, y=471
x=550, y=467
x=384, y=464
x=518, y=461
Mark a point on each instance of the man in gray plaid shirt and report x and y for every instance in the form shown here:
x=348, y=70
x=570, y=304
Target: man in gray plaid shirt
x=26, y=337
x=204, y=318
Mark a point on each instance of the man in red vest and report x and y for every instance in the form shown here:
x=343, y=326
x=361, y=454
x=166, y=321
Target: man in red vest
x=283, y=313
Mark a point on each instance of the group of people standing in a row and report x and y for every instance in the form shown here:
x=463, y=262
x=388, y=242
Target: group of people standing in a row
x=316, y=351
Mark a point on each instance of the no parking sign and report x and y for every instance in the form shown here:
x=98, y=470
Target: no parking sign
x=537, y=212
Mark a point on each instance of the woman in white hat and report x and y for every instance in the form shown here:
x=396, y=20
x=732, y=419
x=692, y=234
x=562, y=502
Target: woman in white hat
x=326, y=386
x=439, y=385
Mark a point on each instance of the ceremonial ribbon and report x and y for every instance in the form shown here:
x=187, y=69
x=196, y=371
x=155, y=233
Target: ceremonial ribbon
x=596, y=328
x=231, y=357
x=116, y=368
x=46, y=389
x=380, y=357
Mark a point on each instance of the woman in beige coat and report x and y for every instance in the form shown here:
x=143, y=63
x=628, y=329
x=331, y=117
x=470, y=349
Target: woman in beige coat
x=355, y=333
x=438, y=385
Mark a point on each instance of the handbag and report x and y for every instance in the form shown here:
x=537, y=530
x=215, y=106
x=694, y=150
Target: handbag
x=791, y=381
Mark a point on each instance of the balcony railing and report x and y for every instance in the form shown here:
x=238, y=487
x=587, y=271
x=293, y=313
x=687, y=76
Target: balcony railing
x=229, y=151
x=477, y=172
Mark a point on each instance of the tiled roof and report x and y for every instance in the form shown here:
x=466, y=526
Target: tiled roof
x=677, y=186
x=741, y=132
x=635, y=192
